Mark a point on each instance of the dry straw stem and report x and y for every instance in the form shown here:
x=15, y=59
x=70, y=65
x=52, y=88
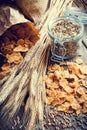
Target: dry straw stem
x=28, y=75
x=37, y=96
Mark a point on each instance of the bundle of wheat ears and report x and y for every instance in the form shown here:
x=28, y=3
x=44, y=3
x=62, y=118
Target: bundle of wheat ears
x=27, y=77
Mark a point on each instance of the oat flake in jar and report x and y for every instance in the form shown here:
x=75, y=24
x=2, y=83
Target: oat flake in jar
x=66, y=32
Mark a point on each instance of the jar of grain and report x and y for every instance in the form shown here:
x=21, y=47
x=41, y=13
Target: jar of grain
x=65, y=32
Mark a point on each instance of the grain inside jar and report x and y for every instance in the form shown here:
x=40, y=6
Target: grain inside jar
x=66, y=30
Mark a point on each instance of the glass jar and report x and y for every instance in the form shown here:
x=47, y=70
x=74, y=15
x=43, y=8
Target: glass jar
x=65, y=32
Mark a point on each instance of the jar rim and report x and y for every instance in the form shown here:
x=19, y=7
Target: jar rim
x=54, y=21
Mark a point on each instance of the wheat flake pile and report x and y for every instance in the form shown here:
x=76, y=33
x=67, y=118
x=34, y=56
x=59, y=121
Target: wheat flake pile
x=67, y=86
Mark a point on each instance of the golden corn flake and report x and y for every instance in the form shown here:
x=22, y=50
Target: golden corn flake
x=49, y=100
x=74, y=85
x=64, y=107
x=58, y=74
x=15, y=57
x=58, y=101
x=53, y=68
x=81, y=91
x=75, y=68
x=6, y=67
x=75, y=105
x=64, y=84
x=66, y=74
x=20, y=48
